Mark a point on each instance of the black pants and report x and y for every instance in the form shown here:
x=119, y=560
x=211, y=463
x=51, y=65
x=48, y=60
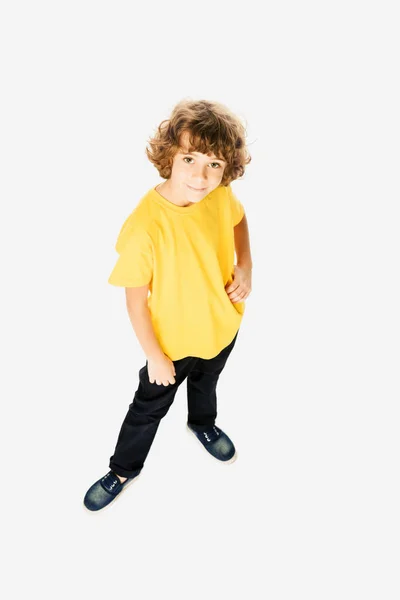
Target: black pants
x=152, y=401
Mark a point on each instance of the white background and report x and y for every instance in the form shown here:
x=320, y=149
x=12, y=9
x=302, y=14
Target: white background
x=310, y=393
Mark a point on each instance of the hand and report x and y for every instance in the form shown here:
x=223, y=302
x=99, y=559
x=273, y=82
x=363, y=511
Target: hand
x=240, y=287
x=161, y=370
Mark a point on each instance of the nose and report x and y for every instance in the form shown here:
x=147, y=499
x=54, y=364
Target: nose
x=199, y=177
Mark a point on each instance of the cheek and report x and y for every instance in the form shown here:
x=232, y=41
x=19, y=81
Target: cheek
x=218, y=173
x=178, y=168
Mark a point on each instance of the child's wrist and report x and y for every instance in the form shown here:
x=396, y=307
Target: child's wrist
x=245, y=265
x=155, y=356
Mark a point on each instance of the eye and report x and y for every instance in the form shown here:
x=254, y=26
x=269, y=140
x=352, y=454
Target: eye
x=213, y=163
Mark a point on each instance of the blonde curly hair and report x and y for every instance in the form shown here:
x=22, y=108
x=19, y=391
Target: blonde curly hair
x=212, y=127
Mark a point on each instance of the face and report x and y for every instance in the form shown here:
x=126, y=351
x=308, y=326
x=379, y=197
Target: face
x=194, y=175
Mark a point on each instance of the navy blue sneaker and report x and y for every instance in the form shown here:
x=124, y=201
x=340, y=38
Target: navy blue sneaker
x=216, y=442
x=106, y=490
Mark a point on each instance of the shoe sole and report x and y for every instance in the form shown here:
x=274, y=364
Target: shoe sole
x=224, y=462
x=112, y=501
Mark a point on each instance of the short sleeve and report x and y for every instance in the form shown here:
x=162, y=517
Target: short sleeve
x=134, y=266
x=237, y=209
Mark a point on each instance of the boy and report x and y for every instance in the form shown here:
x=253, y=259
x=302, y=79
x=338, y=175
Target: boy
x=178, y=244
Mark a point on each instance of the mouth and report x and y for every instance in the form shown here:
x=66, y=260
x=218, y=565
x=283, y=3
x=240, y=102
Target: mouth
x=196, y=189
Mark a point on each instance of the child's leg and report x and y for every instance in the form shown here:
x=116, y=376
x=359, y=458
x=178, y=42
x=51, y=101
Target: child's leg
x=201, y=388
x=150, y=404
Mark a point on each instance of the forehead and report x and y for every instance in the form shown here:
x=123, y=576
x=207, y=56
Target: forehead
x=184, y=147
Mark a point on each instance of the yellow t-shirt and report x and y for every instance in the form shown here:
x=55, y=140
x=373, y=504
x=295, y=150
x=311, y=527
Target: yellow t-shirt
x=186, y=256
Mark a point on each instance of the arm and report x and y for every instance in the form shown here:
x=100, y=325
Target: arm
x=240, y=287
x=139, y=315
x=242, y=244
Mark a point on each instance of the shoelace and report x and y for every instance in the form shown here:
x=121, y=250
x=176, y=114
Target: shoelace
x=110, y=482
x=210, y=434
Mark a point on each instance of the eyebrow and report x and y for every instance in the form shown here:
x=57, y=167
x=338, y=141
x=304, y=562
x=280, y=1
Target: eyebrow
x=210, y=157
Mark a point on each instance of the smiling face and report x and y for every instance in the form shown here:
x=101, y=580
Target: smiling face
x=194, y=175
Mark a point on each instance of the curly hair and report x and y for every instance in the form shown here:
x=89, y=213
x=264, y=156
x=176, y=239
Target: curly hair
x=212, y=127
